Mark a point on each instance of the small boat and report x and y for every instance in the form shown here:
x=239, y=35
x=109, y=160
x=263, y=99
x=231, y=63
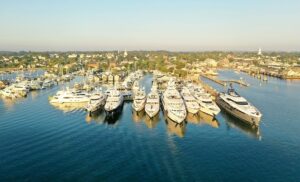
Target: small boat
x=239, y=107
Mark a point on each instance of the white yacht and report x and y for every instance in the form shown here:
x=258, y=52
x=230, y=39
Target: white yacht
x=191, y=103
x=9, y=93
x=239, y=107
x=173, y=104
x=139, y=100
x=152, y=103
x=48, y=83
x=114, y=102
x=135, y=87
x=97, y=100
x=207, y=105
x=70, y=96
x=34, y=85
x=21, y=89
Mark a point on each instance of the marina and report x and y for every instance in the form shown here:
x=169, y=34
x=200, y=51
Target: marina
x=209, y=137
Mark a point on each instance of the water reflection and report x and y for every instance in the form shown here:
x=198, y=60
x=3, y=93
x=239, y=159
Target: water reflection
x=175, y=128
x=202, y=119
x=193, y=118
x=209, y=120
x=98, y=117
x=68, y=107
x=9, y=102
x=151, y=122
x=233, y=122
x=138, y=116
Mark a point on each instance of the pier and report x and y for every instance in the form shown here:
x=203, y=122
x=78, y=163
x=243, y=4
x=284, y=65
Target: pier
x=224, y=82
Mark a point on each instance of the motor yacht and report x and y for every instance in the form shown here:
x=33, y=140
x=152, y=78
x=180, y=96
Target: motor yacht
x=97, y=101
x=207, y=105
x=9, y=93
x=173, y=104
x=114, y=102
x=135, y=87
x=152, y=103
x=139, y=100
x=191, y=103
x=70, y=96
x=239, y=107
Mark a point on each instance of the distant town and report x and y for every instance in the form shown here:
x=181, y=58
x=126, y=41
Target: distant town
x=284, y=65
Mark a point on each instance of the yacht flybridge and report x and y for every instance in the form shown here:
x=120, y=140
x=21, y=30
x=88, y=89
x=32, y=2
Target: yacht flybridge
x=239, y=107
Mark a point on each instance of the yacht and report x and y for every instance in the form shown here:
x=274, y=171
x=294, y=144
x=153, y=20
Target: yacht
x=20, y=89
x=239, y=107
x=48, y=83
x=139, y=100
x=173, y=104
x=191, y=103
x=34, y=85
x=207, y=105
x=7, y=92
x=97, y=100
x=152, y=103
x=70, y=96
x=114, y=102
x=135, y=87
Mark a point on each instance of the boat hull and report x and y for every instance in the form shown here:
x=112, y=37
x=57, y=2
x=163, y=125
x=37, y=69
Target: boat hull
x=248, y=119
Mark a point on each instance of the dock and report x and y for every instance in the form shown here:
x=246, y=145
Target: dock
x=220, y=82
x=224, y=82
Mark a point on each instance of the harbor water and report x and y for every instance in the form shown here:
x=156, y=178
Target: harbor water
x=41, y=142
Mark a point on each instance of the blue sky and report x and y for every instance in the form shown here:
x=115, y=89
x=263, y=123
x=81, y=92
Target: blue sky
x=176, y=25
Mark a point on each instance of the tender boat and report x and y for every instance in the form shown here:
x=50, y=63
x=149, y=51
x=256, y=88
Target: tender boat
x=152, y=103
x=173, y=104
x=139, y=100
x=239, y=107
x=114, y=102
x=191, y=103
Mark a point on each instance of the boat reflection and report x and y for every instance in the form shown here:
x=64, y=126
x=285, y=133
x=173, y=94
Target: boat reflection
x=112, y=119
x=68, y=107
x=9, y=103
x=193, y=118
x=151, y=122
x=209, y=120
x=138, y=116
x=97, y=117
x=203, y=119
x=233, y=122
x=175, y=128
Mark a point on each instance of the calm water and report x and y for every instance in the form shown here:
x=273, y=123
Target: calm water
x=41, y=142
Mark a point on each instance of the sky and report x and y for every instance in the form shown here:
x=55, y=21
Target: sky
x=174, y=25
